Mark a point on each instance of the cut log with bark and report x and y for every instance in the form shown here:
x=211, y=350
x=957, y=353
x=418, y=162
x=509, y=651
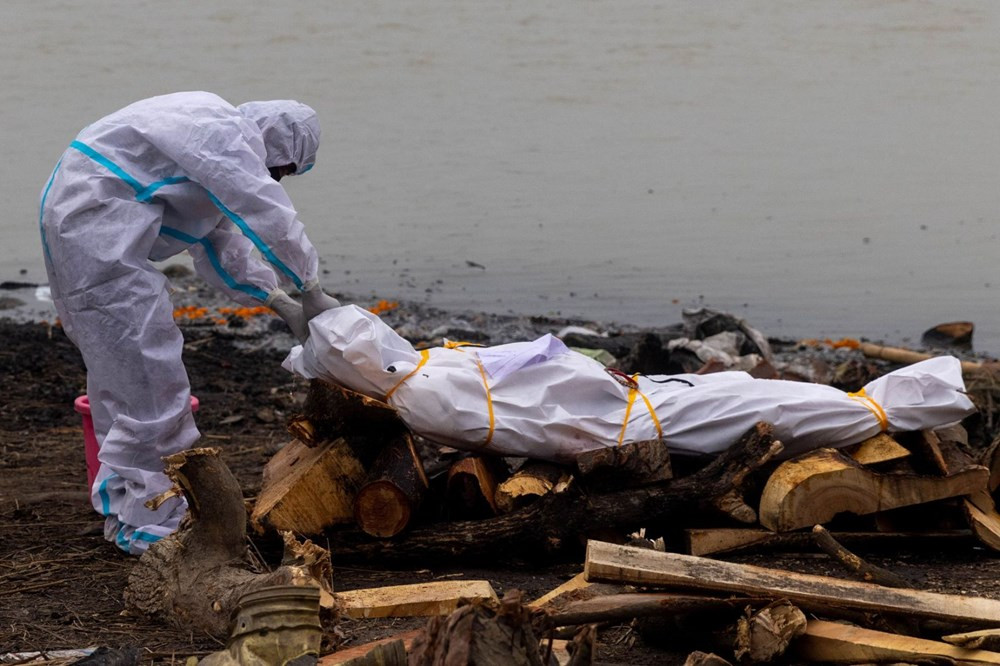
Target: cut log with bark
x=834, y=643
x=626, y=607
x=416, y=600
x=472, y=487
x=716, y=540
x=388, y=501
x=624, y=564
x=476, y=635
x=627, y=466
x=815, y=487
x=194, y=578
x=556, y=519
x=535, y=479
x=306, y=490
x=334, y=411
x=765, y=634
x=878, y=449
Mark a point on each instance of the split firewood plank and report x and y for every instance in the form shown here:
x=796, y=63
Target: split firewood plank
x=715, y=540
x=535, y=479
x=472, y=488
x=627, y=466
x=194, y=578
x=625, y=564
x=983, y=519
x=547, y=525
x=389, y=499
x=416, y=600
x=308, y=489
x=984, y=639
x=366, y=655
x=835, y=643
x=765, y=634
x=813, y=488
x=303, y=430
x=878, y=449
x=577, y=582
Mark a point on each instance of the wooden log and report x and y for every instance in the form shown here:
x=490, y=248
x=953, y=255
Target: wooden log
x=308, y=489
x=535, y=479
x=334, y=411
x=416, y=600
x=385, y=504
x=878, y=449
x=471, y=488
x=709, y=541
x=628, y=466
x=194, y=578
x=373, y=653
x=991, y=459
x=544, y=526
x=834, y=643
x=765, y=634
x=908, y=356
x=813, y=488
x=866, y=571
x=984, y=639
x=624, y=564
x=626, y=607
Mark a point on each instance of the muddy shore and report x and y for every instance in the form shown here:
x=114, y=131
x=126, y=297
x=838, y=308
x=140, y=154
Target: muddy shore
x=62, y=583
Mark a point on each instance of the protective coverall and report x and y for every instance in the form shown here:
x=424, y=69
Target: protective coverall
x=186, y=171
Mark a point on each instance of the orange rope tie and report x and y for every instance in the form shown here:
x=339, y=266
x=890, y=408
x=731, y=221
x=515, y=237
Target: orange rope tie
x=489, y=403
x=872, y=406
x=632, y=393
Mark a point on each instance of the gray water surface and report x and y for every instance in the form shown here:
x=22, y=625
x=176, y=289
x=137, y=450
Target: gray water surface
x=821, y=168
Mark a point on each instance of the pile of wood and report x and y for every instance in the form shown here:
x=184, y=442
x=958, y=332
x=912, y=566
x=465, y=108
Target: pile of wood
x=354, y=473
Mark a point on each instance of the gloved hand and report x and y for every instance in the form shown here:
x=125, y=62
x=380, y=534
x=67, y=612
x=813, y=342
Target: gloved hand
x=315, y=300
x=290, y=311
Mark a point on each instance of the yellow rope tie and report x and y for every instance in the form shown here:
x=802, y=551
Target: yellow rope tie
x=424, y=355
x=455, y=344
x=632, y=393
x=489, y=403
x=872, y=406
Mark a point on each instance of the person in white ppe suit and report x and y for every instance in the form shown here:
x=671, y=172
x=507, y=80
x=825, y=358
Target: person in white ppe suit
x=186, y=171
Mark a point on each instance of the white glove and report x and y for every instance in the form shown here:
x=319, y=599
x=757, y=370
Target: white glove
x=315, y=300
x=290, y=311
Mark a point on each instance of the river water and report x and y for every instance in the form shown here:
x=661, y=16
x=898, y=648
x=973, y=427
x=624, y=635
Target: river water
x=820, y=168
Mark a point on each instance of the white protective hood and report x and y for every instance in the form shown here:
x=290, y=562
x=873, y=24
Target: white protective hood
x=542, y=400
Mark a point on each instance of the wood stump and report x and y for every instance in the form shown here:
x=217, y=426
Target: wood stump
x=194, y=578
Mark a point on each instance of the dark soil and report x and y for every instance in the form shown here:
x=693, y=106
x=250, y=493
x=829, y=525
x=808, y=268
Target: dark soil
x=61, y=583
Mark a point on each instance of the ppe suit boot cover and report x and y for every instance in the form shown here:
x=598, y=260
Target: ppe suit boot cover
x=119, y=315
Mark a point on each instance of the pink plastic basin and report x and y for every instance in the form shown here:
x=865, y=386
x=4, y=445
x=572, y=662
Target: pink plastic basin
x=82, y=407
